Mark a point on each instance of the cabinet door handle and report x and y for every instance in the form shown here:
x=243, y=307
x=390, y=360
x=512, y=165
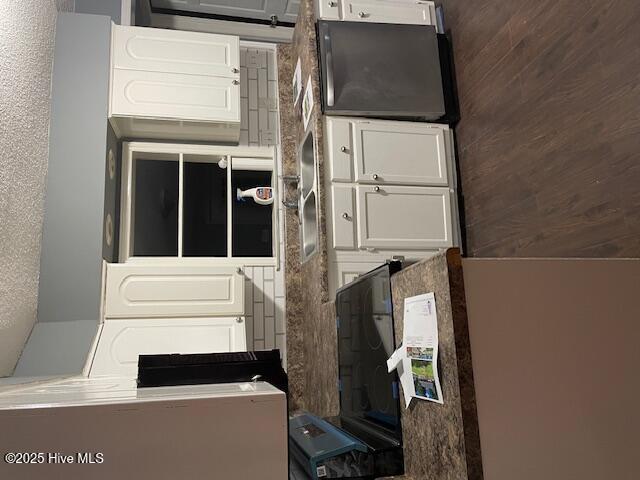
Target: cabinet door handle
x=345, y=215
x=333, y=4
x=235, y=70
x=343, y=149
x=376, y=189
x=363, y=14
x=236, y=82
x=375, y=176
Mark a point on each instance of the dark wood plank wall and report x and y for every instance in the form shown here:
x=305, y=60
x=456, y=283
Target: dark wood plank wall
x=549, y=141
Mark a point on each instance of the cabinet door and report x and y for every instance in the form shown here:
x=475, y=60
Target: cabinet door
x=399, y=153
x=389, y=11
x=285, y=10
x=342, y=212
x=138, y=290
x=175, y=51
x=121, y=341
x=404, y=217
x=339, y=149
x=170, y=95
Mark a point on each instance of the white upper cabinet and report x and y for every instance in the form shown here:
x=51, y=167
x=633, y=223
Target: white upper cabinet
x=175, y=85
x=175, y=51
x=392, y=217
x=379, y=11
x=121, y=341
x=400, y=153
x=144, y=291
x=174, y=96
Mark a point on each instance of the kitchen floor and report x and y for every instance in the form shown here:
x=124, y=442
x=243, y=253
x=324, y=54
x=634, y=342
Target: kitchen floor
x=548, y=142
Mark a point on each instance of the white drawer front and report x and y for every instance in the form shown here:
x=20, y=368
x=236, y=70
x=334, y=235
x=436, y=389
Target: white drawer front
x=328, y=9
x=122, y=341
x=175, y=51
x=389, y=11
x=343, y=217
x=168, y=291
x=399, y=153
x=339, y=149
x=404, y=217
x=169, y=95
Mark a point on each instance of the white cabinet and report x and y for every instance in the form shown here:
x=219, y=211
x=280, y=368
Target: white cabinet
x=175, y=51
x=391, y=191
x=121, y=341
x=387, y=152
x=144, y=291
x=392, y=217
x=171, y=84
x=379, y=11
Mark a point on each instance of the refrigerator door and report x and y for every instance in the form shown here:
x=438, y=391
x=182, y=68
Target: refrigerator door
x=377, y=69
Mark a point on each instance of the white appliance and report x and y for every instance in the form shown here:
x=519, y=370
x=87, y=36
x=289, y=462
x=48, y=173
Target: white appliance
x=226, y=431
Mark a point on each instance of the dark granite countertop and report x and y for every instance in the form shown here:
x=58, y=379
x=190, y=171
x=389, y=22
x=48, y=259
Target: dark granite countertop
x=441, y=441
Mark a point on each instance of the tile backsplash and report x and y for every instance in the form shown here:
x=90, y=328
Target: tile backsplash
x=264, y=285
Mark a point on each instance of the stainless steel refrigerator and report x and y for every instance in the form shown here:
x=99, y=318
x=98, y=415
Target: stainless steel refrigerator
x=381, y=70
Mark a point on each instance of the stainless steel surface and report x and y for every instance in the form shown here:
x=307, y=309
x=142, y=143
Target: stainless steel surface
x=329, y=67
x=306, y=157
x=307, y=202
x=309, y=229
x=363, y=74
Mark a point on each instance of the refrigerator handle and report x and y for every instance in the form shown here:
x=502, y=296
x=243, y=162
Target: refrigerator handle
x=329, y=61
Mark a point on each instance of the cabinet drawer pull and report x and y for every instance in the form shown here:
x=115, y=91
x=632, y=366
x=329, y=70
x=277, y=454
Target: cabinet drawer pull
x=333, y=4
x=376, y=189
x=235, y=70
x=236, y=82
x=375, y=176
x=363, y=14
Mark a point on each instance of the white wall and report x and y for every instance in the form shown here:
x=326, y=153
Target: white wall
x=26, y=50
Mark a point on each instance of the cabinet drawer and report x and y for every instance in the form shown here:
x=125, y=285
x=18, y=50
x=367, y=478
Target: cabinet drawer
x=399, y=153
x=395, y=217
x=121, y=341
x=389, y=11
x=175, y=51
x=342, y=217
x=170, y=95
x=339, y=149
x=168, y=291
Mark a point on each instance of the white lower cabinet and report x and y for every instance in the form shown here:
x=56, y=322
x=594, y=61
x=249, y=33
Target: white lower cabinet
x=391, y=192
x=121, y=341
x=380, y=11
x=393, y=217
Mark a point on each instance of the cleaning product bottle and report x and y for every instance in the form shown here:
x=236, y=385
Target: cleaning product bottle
x=260, y=195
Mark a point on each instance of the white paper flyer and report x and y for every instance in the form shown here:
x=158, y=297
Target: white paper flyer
x=417, y=357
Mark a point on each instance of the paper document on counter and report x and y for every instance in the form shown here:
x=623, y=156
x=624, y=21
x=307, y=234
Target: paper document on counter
x=417, y=358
